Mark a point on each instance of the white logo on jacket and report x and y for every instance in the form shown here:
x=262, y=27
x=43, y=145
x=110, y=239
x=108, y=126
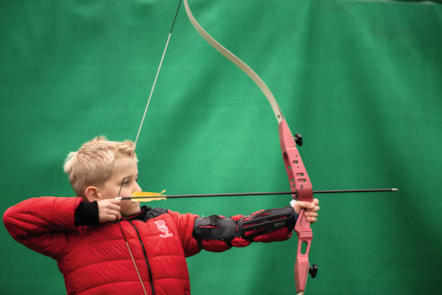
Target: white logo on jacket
x=163, y=229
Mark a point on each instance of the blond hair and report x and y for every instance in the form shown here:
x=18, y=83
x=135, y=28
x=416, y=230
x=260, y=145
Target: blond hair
x=93, y=163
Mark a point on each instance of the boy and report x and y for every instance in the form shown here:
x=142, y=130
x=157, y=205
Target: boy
x=107, y=246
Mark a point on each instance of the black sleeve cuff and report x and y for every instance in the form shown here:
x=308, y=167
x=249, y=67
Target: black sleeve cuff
x=86, y=214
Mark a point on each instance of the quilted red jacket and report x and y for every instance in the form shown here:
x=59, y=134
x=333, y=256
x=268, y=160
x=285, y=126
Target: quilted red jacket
x=96, y=260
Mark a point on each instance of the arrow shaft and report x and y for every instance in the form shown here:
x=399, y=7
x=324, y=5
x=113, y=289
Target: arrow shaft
x=272, y=193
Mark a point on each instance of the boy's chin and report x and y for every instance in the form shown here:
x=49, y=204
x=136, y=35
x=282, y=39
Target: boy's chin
x=133, y=209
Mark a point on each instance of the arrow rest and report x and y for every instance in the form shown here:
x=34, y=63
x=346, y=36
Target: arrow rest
x=298, y=139
x=313, y=270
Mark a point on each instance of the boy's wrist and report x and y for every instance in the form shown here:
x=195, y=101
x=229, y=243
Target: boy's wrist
x=86, y=213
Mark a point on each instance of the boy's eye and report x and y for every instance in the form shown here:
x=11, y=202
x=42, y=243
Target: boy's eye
x=128, y=180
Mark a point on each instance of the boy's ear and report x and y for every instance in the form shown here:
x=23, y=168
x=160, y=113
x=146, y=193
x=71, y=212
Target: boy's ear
x=91, y=193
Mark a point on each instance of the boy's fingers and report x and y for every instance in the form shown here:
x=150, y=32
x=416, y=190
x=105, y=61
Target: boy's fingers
x=114, y=215
x=115, y=207
x=306, y=205
x=311, y=219
x=311, y=214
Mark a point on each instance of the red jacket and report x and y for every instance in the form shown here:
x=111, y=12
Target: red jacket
x=96, y=260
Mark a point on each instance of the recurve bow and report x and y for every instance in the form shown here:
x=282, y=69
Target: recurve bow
x=300, y=183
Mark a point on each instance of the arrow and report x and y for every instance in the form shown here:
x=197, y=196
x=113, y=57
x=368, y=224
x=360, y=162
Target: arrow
x=152, y=196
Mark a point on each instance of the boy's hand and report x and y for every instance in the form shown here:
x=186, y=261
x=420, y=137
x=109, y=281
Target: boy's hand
x=311, y=209
x=108, y=210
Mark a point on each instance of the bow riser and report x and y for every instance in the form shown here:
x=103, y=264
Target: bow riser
x=298, y=177
x=301, y=185
x=302, y=265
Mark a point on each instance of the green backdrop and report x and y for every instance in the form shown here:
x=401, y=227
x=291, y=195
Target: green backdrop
x=360, y=80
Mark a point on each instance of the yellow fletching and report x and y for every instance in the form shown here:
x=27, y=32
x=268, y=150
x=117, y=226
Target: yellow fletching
x=148, y=196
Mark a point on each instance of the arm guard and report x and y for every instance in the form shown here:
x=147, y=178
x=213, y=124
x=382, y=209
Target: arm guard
x=266, y=221
x=263, y=226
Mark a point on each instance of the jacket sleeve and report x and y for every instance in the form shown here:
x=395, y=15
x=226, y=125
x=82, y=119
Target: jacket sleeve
x=41, y=223
x=185, y=224
x=217, y=233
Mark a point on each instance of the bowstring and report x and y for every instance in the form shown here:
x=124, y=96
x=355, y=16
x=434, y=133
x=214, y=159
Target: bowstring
x=138, y=136
x=150, y=94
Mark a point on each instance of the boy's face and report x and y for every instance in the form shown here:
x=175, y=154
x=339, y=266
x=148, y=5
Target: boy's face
x=124, y=176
